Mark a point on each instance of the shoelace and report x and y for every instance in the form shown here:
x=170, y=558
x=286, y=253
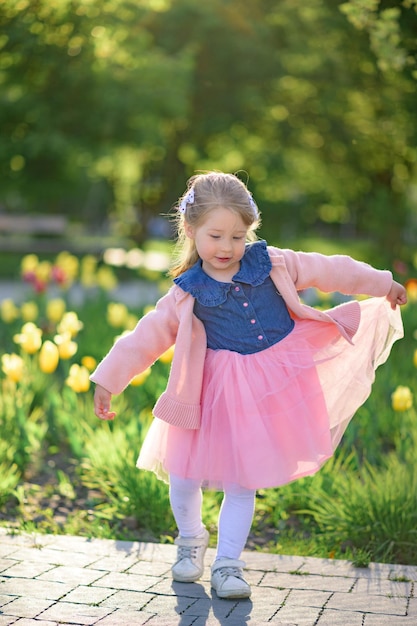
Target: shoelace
x=230, y=571
x=187, y=552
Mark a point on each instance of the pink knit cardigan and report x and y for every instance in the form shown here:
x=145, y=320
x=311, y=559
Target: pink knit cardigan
x=173, y=322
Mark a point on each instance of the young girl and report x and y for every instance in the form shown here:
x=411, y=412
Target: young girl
x=262, y=386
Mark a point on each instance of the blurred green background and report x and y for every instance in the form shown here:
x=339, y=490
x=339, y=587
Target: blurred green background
x=108, y=106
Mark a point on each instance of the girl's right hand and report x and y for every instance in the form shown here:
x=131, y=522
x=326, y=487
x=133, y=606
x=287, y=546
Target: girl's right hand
x=397, y=295
x=102, y=401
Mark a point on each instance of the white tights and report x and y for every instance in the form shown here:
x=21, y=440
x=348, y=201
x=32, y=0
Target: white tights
x=235, y=518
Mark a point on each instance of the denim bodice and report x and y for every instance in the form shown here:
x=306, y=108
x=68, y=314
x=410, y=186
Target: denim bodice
x=246, y=315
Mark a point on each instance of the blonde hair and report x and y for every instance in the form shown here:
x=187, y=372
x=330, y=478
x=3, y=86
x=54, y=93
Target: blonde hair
x=211, y=190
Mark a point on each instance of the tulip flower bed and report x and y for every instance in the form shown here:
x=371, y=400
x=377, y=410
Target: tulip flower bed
x=64, y=471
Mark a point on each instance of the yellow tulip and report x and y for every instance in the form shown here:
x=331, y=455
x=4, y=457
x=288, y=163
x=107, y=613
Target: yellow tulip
x=29, y=264
x=8, y=311
x=402, y=398
x=43, y=271
x=139, y=379
x=88, y=271
x=65, y=269
x=66, y=347
x=117, y=314
x=29, y=311
x=13, y=366
x=88, y=279
x=35, y=272
x=415, y=358
x=55, y=309
x=106, y=278
x=48, y=357
x=70, y=324
x=89, y=362
x=89, y=263
x=79, y=378
x=69, y=263
x=166, y=357
x=30, y=338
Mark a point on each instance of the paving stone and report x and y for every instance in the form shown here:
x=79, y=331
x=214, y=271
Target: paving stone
x=402, y=572
x=74, y=613
x=84, y=545
x=88, y=595
x=267, y=595
x=330, y=617
x=383, y=587
x=230, y=621
x=6, y=599
x=412, y=607
x=158, y=620
x=150, y=569
x=127, y=600
x=54, y=557
x=16, y=540
x=253, y=577
x=133, y=582
x=6, y=620
x=26, y=569
x=5, y=564
x=34, y=622
x=34, y=588
x=116, y=563
x=27, y=607
x=389, y=620
x=47, y=580
x=379, y=570
x=316, y=599
x=71, y=575
x=131, y=618
x=329, y=567
x=368, y=603
x=273, y=562
x=171, y=605
x=5, y=549
x=297, y=581
x=167, y=586
x=302, y=616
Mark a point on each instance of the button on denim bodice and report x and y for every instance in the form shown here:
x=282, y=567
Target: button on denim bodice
x=246, y=315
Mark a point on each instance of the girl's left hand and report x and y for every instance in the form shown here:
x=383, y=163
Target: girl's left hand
x=397, y=295
x=102, y=401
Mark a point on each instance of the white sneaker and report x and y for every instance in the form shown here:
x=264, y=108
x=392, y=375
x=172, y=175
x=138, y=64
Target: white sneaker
x=189, y=565
x=227, y=579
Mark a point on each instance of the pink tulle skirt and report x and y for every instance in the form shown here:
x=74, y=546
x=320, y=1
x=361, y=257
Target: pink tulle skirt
x=274, y=416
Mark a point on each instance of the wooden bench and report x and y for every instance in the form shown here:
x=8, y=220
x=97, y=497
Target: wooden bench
x=33, y=224
x=50, y=234
x=25, y=233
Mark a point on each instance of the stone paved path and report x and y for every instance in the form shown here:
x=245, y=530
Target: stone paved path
x=47, y=580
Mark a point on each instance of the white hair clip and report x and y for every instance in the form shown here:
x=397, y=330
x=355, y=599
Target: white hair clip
x=253, y=205
x=187, y=199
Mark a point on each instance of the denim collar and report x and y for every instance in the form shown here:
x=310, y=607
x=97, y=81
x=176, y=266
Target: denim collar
x=255, y=267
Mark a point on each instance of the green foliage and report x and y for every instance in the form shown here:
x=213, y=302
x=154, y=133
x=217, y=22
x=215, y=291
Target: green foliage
x=22, y=424
x=84, y=94
x=108, y=107
x=110, y=459
x=375, y=511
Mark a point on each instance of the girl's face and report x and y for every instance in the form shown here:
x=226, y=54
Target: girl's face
x=220, y=242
